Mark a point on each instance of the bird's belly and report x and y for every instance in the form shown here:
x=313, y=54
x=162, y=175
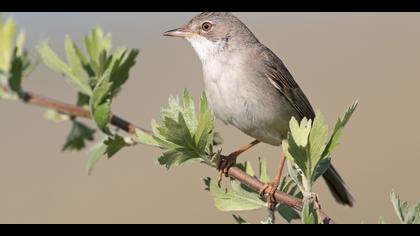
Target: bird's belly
x=260, y=113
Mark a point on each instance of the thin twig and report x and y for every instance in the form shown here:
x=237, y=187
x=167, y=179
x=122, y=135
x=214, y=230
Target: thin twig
x=234, y=172
x=34, y=99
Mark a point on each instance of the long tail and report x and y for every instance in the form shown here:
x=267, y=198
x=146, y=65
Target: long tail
x=338, y=187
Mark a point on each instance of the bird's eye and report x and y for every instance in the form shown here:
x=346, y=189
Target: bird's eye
x=206, y=26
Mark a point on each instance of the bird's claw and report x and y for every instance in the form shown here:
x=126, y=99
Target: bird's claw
x=224, y=165
x=268, y=191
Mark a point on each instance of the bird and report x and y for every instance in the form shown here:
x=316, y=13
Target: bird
x=248, y=86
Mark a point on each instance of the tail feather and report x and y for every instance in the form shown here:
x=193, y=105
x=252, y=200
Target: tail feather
x=338, y=187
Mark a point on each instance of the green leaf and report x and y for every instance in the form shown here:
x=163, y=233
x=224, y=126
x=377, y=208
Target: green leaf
x=298, y=154
x=16, y=75
x=55, y=63
x=401, y=208
x=204, y=133
x=121, y=68
x=309, y=214
x=76, y=65
x=97, y=152
x=114, y=144
x=230, y=200
x=338, y=130
x=173, y=158
x=317, y=140
x=116, y=73
x=413, y=215
x=239, y=219
x=300, y=132
x=55, y=116
x=82, y=100
x=7, y=36
x=96, y=44
x=189, y=111
x=287, y=212
x=183, y=136
x=102, y=115
x=406, y=214
x=79, y=134
x=295, y=174
x=145, y=138
x=249, y=170
x=263, y=170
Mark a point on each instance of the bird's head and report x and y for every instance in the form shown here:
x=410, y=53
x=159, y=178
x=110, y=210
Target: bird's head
x=210, y=33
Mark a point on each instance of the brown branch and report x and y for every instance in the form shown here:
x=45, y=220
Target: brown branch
x=281, y=197
x=75, y=111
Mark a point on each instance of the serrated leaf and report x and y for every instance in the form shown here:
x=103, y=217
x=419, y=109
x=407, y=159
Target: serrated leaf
x=75, y=63
x=317, y=140
x=338, y=130
x=173, y=158
x=96, y=43
x=300, y=132
x=97, y=152
x=406, y=214
x=121, y=69
x=184, y=139
x=189, y=111
x=114, y=144
x=228, y=200
x=172, y=109
x=401, y=208
x=79, y=134
x=116, y=72
x=55, y=63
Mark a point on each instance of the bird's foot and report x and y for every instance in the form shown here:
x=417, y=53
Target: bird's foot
x=224, y=164
x=268, y=192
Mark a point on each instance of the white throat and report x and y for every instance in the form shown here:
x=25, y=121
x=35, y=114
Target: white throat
x=205, y=49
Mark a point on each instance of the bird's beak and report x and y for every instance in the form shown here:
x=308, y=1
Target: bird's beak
x=180, y=32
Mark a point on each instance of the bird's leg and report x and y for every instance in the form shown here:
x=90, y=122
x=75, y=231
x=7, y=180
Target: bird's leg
x=228, y=161
x=270, y=189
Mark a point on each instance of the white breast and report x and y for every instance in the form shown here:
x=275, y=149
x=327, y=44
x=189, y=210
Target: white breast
x=238, y=96
x=205, y=48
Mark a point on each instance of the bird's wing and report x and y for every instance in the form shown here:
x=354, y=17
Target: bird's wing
x=280, y=77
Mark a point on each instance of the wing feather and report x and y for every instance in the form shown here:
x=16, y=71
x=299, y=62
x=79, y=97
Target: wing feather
x=280, y=77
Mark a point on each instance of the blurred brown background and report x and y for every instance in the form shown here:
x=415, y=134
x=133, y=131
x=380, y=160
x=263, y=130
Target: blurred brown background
x=335, y=57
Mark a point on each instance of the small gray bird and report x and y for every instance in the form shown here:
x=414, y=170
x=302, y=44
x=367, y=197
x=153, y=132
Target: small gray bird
x=249, y=87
